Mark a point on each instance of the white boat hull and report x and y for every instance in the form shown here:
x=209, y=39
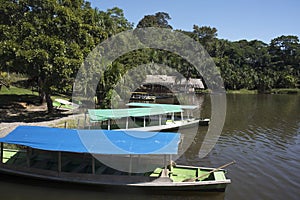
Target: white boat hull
x=168, y=126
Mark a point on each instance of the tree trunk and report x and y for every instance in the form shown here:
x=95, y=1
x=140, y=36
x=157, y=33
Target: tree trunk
x=42, y=96
x=49, y=103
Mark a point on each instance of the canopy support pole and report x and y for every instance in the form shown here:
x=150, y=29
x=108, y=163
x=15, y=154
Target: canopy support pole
x=144, y=121
x=93, y=165
x=108, y=124
x=159, y=120
x=1, y=154
x=181, y=115
x=130, y=165
x=173, y=117
x=59, y=162
x=126, y=122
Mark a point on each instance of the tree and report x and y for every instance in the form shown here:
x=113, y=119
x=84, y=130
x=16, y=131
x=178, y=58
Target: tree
x=285, y=52
x=159, y=20
x=49, y=39
x=204, y=33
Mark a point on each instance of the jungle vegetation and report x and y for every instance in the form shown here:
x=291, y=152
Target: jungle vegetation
x=48, y=40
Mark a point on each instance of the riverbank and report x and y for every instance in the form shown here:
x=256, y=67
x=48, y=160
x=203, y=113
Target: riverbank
x=273, y=91
x=21, y=106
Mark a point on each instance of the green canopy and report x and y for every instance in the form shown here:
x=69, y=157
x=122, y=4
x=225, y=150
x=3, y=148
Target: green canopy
x=106, y=114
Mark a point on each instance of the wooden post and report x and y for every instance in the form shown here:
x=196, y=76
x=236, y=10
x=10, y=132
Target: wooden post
x=1, y=154
x=59, y=161
x=65, y=124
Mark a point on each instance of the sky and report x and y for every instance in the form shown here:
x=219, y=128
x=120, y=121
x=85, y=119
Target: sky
x=234, y=19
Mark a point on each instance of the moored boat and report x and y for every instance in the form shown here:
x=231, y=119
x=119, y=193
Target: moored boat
x=68, y=155
x=146, y=117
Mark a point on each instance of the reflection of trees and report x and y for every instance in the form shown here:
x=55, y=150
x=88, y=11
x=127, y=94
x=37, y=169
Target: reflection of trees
x=276, y=117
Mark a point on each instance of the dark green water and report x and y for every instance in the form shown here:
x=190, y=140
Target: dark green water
x=261, y=133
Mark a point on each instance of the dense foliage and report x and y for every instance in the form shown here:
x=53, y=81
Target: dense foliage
x=49, y=39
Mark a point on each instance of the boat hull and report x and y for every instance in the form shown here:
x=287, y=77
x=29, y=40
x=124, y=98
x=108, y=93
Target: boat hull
x=114, y=182
x=168, y=127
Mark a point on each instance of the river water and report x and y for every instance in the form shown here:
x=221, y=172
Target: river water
x=261, y=133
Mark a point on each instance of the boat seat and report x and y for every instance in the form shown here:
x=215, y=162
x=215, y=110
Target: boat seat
x=156, y=172
x=219, y=176
x=41, y=164
x=65, y=163
x=117, y=173
x=101, y=169
x=80, y=168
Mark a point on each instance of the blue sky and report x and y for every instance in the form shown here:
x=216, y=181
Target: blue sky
x=234, y=19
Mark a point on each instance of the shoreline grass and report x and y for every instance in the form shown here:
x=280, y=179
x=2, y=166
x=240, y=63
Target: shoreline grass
x=273, y=91
x=286, y=91
x=242, y=91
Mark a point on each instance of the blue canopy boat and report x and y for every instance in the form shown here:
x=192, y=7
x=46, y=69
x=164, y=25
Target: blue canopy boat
x=68, y=155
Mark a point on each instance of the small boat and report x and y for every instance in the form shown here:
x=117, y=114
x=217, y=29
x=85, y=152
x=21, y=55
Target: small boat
x=68, y=155
x=146, y=117
x=64, y=104
x=142, y=97
x=204, y=122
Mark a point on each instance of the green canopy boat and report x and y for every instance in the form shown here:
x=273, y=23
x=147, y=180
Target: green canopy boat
x=146, y=117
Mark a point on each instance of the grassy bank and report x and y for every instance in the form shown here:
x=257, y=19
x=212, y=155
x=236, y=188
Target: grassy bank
x=241, y=91
x=273, y=91
x=17, y=91
x=286, y=91
x=23, y=91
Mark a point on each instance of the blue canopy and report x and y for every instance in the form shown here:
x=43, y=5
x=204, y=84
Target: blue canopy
x=94, y=141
